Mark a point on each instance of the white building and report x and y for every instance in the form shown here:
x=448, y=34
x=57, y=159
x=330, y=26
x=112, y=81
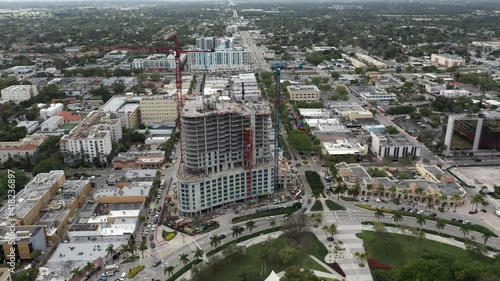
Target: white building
x=370, y=93
x=52, y=124
x=127, y=108
x=344, y=147
x=52, y=110
x=356, y=63
x=433, y=88
x=31, y=126
x=116, y=55
x=222, y=59
x=252, y=90
x=454, y=93
x=92, y=137
x=397, y=146
x=157, y=62
x=447, y=60
x=22, y=148
x=315, y=113
x=18, y=93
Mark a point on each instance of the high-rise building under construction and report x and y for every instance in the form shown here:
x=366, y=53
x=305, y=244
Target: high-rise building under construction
x=225, y=151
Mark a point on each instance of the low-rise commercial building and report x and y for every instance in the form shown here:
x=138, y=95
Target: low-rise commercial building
x=52, y=124
x=17, y=93
x=447, y=60
x=127, y=108
x=28, y=239
x=434, y=88
x=134, y=192
x=315, y=113
x=397, y=146
x=157, y=62
x=370, y=93
x=70, y=118
x=53, y=110
x=344, y=147
x=371, y=60
x=303, y=93
x=351, y=110
x=20, y=149
x=31, y=126
x=356, y=63
x=139, y=160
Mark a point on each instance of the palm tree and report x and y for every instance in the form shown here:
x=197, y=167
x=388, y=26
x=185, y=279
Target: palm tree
x=430, y=202
x=125, y=249
x=476, y=200
x=362, y=257
x=440, y=224
x=333, y=229
x=456, y=198
x=381, y=191
x=143, y=247
x=215, y=240
x=421, y=220
x=76, y=272
x=420, y=236
x=237, y=230
x=393, y=191
x=460, y=275
x=169, y=269
x=132, y=248
x=184, y=259
x=326, y=229
x=340, y=189
x=198, y=254
x=250, y=225
x=379, y=214
x=110, y=250
x=444, y=200
x=317, y=218
x=89, y=268
x=272, y=223
x=262, y=257
x=405, y=193
x=419, y=192
x=464, y=229
x=397, y=217
x=486, y=236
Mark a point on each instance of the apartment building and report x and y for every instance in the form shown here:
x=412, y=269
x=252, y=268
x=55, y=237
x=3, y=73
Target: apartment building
x=126, y=108
x=447, y=60
x=20, y=149
x=52, y=124
x=222, y=59
x=17, y=93
x=226, y=153
x=158, y=109
x=52, y=110
x=397, y=146
x=303, y=92
x=91, y=139
x=157, y=62
x=371, y=61
x=31, y=126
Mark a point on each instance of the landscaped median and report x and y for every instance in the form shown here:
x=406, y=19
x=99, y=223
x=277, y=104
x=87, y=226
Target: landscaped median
x=317, y=206
x=334, y=206
x=167, y=236
x=473, y=227
x=274, y=212
x=134, y=271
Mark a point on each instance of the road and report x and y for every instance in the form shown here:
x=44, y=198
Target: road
x=261, y=64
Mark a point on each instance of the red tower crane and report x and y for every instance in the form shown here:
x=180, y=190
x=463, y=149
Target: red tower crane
x=178, y=67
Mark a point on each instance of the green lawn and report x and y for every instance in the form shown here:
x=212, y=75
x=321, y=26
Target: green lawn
x=68, y=126
x=318, y=206
x=402, y=249
x=310, y=246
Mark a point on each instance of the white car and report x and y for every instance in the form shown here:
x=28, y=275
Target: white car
x=271, y=218
x=378, y=200
x=497, y=213
x=149, y=225
x=153, y=228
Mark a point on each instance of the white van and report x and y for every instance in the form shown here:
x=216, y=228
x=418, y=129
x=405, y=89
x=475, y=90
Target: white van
x=497, y=213
x=124, y=275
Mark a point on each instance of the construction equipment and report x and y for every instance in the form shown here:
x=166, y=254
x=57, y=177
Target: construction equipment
x=277, y=105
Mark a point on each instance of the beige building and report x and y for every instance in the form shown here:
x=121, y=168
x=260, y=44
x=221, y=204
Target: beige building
x=158, y=109
x=23, y=148
x=5, y=274
x=303, y=92
x=447, y=60
x=135, y=192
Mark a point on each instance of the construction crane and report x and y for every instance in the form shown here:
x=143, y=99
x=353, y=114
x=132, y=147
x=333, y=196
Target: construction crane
x=277, y=105
x=178, y=68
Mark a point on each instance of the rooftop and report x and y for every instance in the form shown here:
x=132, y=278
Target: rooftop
x=18, y=88
x=327, y=125
x=32, y=193
x=140, y=174
x=296, y=88
x=344, y=106
x=199, y=106
x=22, y=232
x=343, y=147
x=134, y=189
x=395, y=140
x=88, y=128
x=145, y=157
x=28, y=143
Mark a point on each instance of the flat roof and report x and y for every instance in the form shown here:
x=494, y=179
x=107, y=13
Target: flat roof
x=395, y=140
x=22, y=232
x=134, y=189
x=114, y=214
x=297, y=88
x=342, y=147
x=199, y=106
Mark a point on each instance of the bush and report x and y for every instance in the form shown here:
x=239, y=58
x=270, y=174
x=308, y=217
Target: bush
x=243, y=238
x=275, y=212
x=131, y=259
x=317, y=206
x=333, y=206
x=348, y=198
x=170, y=235
x=134, y=271
x=183, y=270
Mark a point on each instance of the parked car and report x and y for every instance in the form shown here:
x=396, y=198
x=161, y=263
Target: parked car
x=271, y=218
x=157, y=263
x=222, y=236
x=433, y=215
x=151, y=237
x=402, y=209
x=378, y=200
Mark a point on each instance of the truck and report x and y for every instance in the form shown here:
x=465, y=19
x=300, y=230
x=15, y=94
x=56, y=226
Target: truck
x=111, y=269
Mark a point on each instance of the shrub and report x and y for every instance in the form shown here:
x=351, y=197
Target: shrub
x=134, y=271
x=170, y=235
x=275, y=212
x=183, y=270
x=333, y=206
x=330, y=239
x=348, y=198
x=131, y=259
x=317, y=206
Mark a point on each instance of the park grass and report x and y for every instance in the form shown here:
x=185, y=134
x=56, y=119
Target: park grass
x=311, y=246
x=311, y=264
x=402, y=249
x=318, y=206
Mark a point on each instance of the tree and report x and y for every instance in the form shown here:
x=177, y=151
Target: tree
x=21, y=180
x=287, y=254
x=110, y=250
x=155, y=76
x=379, y=214
x=48, y=165
x=183, y=258
x=250, y=225
x=263, y=257
x=420, y=236
x=215, y=240
x=455, y=198
x=421, y=220
x=295, y=274
x=326, y=229
x=89, y=267
x=476, y=200
x=464, y=229
x=272, y=223
x=300, y=140
x=486, y=236
x=143, y=247
x=339, y=189
x=296, y=226
x=397, y=217
x=317, y=218
x=76, y=272
x=198, y=254
x=440, y=224
x=379, y=227
x=169, y=269
x=237, y=230
x=118, y=88
x=424, y=270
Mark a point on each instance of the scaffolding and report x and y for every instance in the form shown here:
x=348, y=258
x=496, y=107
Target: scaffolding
x=248, y=158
